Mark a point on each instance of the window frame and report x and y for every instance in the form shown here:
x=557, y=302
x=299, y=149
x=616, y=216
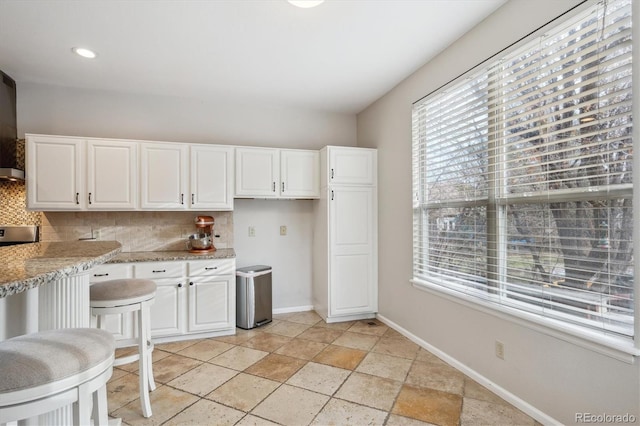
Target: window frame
x=620, y=348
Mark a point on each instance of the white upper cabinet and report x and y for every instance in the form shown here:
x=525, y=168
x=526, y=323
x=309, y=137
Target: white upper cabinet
x=257, y=172
x=211, y=181
x=55, y=173
x=299, y=173
x=164, y=176
x=112, y=175
x=355, y=166
x=277, y=173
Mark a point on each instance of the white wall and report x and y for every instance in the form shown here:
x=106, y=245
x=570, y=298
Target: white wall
x=58, y=110
x=290, y=256
x=549, y=377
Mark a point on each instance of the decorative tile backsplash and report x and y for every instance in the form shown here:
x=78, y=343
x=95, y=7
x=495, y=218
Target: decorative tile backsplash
x=135, y=230
x=13, y=206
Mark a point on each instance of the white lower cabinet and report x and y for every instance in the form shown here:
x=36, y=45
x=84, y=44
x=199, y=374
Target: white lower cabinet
x=193, y=298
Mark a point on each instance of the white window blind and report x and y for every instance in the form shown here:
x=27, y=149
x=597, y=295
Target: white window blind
x=522, y=175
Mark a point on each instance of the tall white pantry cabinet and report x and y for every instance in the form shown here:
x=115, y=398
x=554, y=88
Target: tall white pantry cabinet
x=345, y=276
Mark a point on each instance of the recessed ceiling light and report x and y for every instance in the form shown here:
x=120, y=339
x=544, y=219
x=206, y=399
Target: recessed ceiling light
x=85, y=53
x=306, y=3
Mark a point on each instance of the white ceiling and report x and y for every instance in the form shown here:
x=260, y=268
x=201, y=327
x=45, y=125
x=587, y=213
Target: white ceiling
x=340, y=56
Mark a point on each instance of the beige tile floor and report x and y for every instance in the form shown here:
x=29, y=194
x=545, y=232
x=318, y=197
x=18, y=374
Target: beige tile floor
x=298, y=370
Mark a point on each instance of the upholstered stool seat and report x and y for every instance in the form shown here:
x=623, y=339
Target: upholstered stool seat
x=119, y=297
x=45, y=371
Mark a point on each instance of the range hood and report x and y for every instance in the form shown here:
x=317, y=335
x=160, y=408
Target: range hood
x=11, y=149
x=12, y=160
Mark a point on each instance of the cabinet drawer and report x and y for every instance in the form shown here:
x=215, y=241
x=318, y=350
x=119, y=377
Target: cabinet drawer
x=211, y=267
x=110, y=272
x=151, y=270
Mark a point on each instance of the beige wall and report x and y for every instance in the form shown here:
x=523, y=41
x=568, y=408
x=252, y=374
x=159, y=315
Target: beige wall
x=549, y=376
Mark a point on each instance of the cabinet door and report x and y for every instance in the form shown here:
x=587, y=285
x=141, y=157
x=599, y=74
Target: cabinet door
x=55, y=174
x=299, y=173
x=168, y=309
x=163, y=176
x=352, y=165
x=257, y=173
x=212, y=303
x=352, y=238
x=211, y=177
x=112, y=170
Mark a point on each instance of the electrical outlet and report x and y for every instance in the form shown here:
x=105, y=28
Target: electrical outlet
x=252, y=231
x=283, y=230
x=499, y=349
x=97, y=234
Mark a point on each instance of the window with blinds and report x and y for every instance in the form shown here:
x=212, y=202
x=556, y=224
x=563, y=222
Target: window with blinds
x=522, y=177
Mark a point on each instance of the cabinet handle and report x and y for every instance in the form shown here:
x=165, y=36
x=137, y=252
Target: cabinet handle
x=101, y=275
x=190, y=282
x=181, y=198
x=282, y=186
x=89, y=198
x=193, y=198
x=207, y=268
x=332, y=195
x=274, y=187
x=159, y=270
x=180, y=285
x=77, y=199
x=332, y=173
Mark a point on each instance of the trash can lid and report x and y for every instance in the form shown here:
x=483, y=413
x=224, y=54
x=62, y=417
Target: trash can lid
x=254, y=269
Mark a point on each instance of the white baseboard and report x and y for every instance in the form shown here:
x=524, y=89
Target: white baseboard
x=293, y=309
x=498, y=390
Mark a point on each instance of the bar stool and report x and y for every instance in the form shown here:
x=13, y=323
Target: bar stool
x=119, y=297
x=45, y=371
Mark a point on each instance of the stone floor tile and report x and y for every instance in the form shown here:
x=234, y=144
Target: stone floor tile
x=428, y=405
x=300, y=348
x=475, y=412
x=436, y=375
x=319, y=378
x=172, y=366
x=166, y=402
x=240, y=336
x=276, y=367
x=288, y=329
x=174, y=347
x=370, y=326
x=369, y=390
x=205, y=412
x=202, y=379
x=475, y=390
x=251, y=420
x=239, y=358
x=425, y=355
x=320, y=334
x=243, y=391
x=400, y=347
x=343, y=326
x=395, y=420
x=308, y=317
x=204, y=350
x=357, y=340
x=268, y=342
x=132, y=367
x=338, y=412
x=122, y=390
x=341, y=357
x=392, y=333
x=291, y=406
x=387, y=366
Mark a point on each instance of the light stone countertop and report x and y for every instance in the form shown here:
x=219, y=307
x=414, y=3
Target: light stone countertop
x=163, y=256
x=27, y=266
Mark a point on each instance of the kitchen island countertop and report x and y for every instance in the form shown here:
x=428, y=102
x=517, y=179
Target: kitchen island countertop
x=27, y=266
x=163, y=256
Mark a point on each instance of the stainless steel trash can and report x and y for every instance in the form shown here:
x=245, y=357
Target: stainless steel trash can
x=253, y=296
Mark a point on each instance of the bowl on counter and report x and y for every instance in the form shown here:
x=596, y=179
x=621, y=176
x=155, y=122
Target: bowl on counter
x=199, y=241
